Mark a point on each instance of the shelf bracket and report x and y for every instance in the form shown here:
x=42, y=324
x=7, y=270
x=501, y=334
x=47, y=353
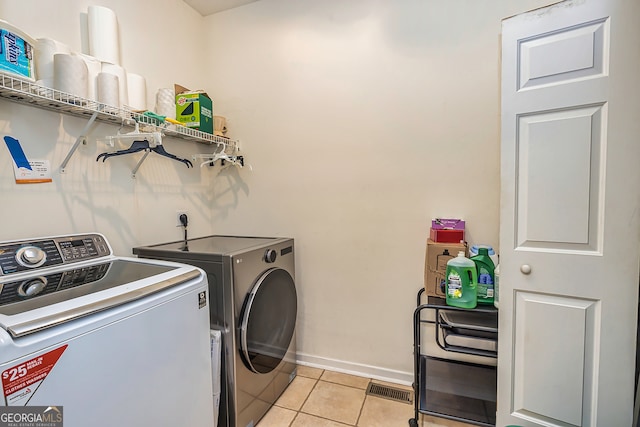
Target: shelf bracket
x=133, y=172
x=82, y=139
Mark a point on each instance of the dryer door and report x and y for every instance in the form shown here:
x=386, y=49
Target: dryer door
x=268, y=320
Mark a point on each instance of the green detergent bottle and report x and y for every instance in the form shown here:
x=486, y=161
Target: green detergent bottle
x=486, y=278
x=462, y=280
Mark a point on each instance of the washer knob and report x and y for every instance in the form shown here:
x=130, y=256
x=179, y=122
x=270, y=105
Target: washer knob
x=270, y=255
x=31, y=256
x=32, y=287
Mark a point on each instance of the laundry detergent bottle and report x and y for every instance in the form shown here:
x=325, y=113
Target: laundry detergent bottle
x=486, y=276
x=462, y=280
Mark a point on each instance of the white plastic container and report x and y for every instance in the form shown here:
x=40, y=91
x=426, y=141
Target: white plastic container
x=496, y=286
x=17, y=52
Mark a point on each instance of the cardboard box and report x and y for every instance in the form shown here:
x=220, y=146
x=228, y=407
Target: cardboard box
x=194, y=109
x=435, y=265
x=446, y=236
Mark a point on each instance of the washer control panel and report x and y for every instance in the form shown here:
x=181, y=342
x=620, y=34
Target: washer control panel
x=21, y=290
x=27, y=255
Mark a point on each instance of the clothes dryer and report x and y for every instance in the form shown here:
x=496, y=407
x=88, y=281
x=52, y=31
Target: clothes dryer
x=253, y=301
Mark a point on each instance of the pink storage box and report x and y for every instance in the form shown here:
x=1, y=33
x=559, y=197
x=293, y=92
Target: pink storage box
x=447, y=224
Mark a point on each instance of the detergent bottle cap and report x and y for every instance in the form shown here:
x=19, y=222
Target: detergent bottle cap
x=461, y=253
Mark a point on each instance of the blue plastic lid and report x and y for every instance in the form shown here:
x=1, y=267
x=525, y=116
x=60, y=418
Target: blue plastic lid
x=474, y=249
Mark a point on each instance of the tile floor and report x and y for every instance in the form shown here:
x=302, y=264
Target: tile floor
x=320, y=398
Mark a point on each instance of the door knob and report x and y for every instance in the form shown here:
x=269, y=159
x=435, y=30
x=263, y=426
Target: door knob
x=525, y=268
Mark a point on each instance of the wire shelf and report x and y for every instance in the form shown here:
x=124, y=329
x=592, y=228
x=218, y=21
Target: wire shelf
x=27, y=92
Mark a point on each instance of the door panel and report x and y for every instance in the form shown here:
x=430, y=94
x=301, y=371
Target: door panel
x=541, y=374
x=570, y=208
x=558, y=172
x=543, y=58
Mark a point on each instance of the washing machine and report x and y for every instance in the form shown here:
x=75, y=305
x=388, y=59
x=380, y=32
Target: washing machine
x=253, y=302
x=114, y=341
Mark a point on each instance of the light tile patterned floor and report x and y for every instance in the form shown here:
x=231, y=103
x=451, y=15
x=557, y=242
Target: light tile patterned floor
x=319, y=398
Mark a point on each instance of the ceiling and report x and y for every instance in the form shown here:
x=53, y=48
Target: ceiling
x=208, y=7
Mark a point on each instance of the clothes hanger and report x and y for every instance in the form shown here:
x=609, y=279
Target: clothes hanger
x=140, y=142
x=234, y=160
x=222, y=156
x=154, y=145
x=136, y=146
x=159, y=148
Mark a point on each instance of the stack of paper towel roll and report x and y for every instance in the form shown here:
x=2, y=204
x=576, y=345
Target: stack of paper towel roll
x=98, y=76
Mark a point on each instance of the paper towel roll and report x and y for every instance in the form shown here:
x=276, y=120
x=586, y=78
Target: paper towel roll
x=123, y=95
x=137, y=87
x=45, y=82
x=102, y=26
x=70, y=74
x=166, y=102
x=94, y=67
x=44, y=51
x=108, y=89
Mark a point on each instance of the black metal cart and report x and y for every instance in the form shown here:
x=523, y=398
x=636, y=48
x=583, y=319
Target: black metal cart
x=457, y=390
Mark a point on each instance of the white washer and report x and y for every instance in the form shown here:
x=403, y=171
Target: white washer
x=108, y=340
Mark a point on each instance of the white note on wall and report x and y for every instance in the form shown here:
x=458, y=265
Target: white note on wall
x=40, y=172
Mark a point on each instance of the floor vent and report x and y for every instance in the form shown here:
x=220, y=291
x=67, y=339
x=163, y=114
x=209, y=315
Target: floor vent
x=390, y=393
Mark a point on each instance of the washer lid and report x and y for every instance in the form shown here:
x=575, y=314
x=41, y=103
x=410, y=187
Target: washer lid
x=19, y=296
x=268, y=320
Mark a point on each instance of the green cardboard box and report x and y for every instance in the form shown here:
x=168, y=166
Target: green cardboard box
x=194, y=109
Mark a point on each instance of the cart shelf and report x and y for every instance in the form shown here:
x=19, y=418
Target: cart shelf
x=452, y=389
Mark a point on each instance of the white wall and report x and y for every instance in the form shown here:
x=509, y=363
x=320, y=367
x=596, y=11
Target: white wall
x=361, y=120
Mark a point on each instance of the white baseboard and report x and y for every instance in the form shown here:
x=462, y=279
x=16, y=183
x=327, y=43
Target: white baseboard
x=357, y=369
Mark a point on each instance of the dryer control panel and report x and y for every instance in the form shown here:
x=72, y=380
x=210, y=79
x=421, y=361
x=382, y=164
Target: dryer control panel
x=26, y=255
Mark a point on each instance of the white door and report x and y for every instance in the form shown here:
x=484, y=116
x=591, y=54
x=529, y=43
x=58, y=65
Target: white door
x=569, y=233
